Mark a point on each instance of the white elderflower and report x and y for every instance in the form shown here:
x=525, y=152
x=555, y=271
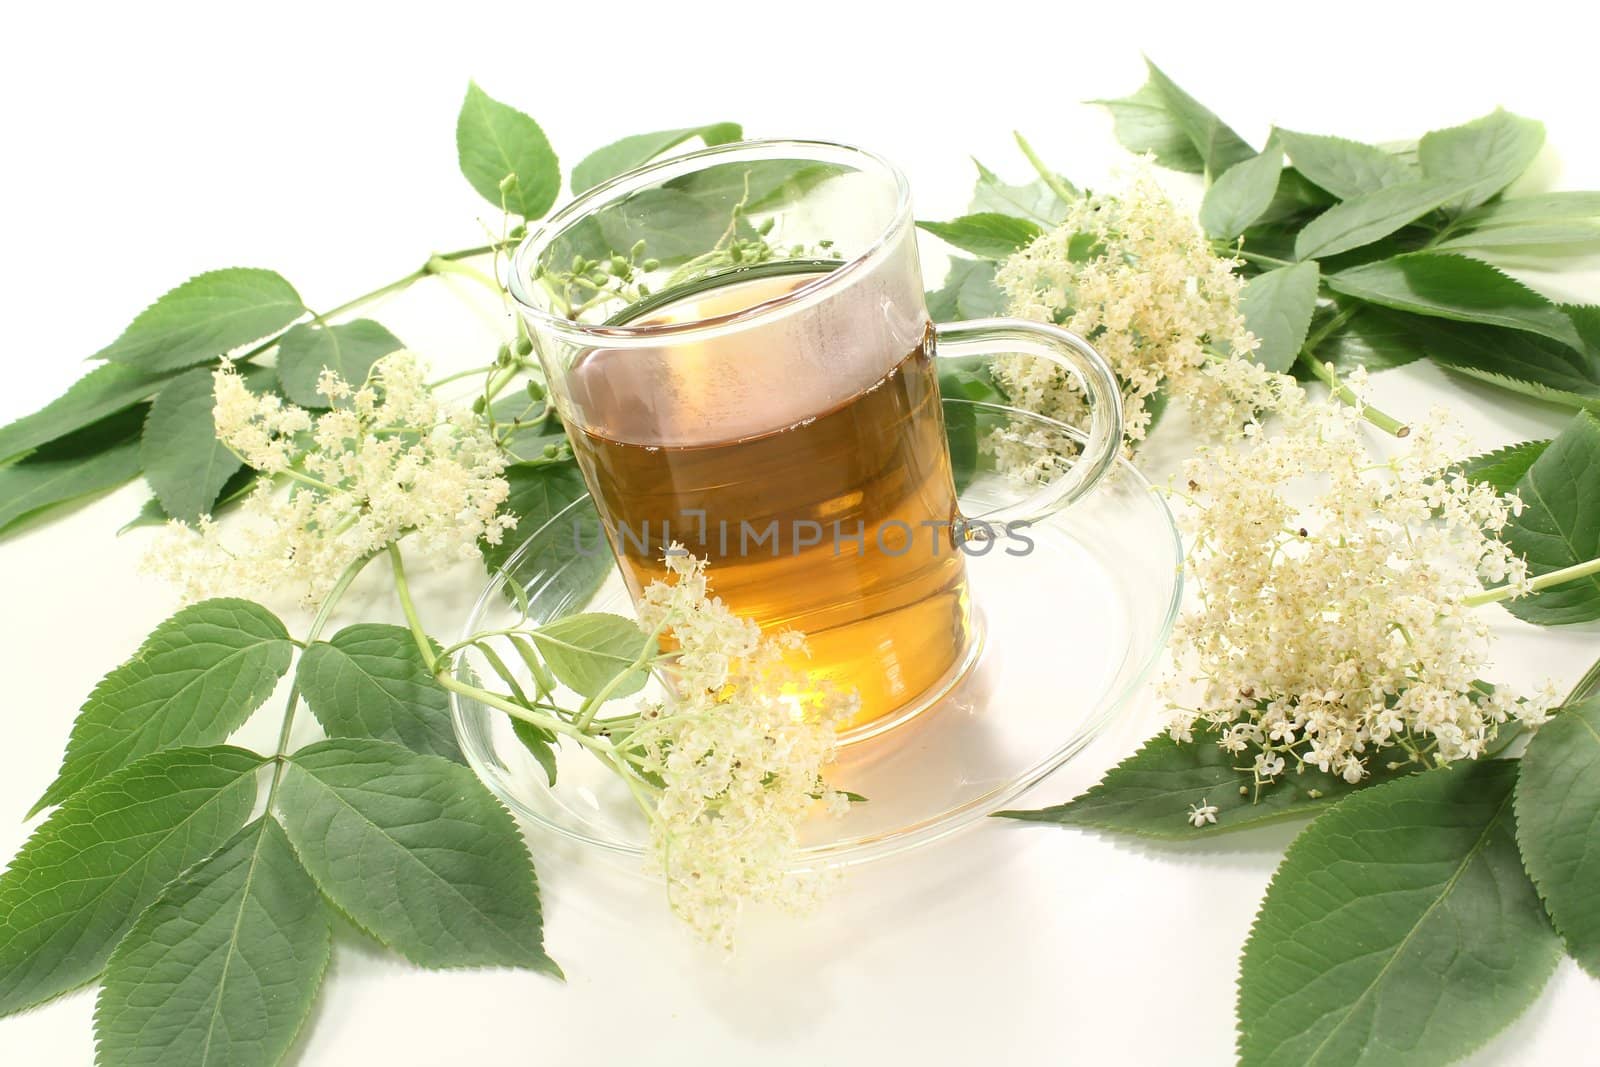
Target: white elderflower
x=1334, y=632
x=1202, y=813
x=388, y=462
x=738, y=755
x=1133, y=274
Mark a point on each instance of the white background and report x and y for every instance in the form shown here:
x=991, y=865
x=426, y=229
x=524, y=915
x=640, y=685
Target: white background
x=144, y=144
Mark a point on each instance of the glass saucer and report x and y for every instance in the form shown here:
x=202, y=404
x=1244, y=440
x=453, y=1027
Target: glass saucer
x=1070, y=631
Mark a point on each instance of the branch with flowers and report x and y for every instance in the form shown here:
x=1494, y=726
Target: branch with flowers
x=1334, y=663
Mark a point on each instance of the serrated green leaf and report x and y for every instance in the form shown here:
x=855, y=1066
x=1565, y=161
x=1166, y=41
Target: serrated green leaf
x=234, y=490
x=183, y=461
x=349, y=349
x=969, y=292
x=573, y=558
x=100, y=859
x=369, y=680
x=641, y=148
x=1531, y=235
x=194, y=681
x=1144, y=125
x=1500, y=354
x=1241, y=195
x=1034, y=201
x=207, y=316
x=92, y=459
x=1150, y=793
x=989, y=234
x=588, y=652
x=1371, y=337
x=1560, y=524
x=1344, y=168
x=540, y=743
x=1524, y=210
x=1218, y=147
x=222, y=970
x=1364, y=219
x=1484, y=155
x=105, y=391
x=1450, y=286
x=416, y=852
x=1558, y=825
x=505, y=156
x=1504, y=467
x=1399, y=929
x=1277, y=307
x=1294, y=198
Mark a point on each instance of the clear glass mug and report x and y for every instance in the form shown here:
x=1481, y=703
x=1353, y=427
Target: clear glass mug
x=738, y=343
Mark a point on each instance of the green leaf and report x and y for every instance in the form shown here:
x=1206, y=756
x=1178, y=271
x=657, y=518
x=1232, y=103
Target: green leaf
x=1455, y=287
x=1241, y=195
x=223, y=968
x=1347, y=169
x=108, y=389
x=207, y=316
x=97, y=457
x=1363, y=219
x=988, y=234
x=641, y=148
x=573, y=558
x=194, y=681
x=1277, y=308
x=1558, y=825
x=587, y=652
x=969, y=292
x=1504, y=467
x=1532, y=235
x=1504, y=356
x=234, y=490
x=1144, y=124
x=1294, y=198
x=541, y=743
x=104, y=856
x=1484, y=155
x=1372, y=337
x=505, y=156
x=369, y=680
x=416, y=852
x=1034, y=201
x=349, y=349
x=1522, y=210
x=1150, y=793
x=1399, y=929
x=183, y=460
x=1560, y=524
x=1218, y=147
x=530, y=430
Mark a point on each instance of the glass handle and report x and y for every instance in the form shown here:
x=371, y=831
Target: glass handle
x=989, y=337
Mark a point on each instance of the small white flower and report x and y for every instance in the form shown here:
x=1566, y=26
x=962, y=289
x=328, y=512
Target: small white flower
x=1202, y=813
x=388, y=463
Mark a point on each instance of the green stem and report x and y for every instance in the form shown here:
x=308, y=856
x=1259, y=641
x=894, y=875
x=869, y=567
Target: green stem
x=1253, y=257
x=526, y=714
x=647, y=655
x=440, y=265
x=397, y=567
x=1324, y=371
x=460, y=374
x=293, y=703
x=1542, y=582
x=1053, y=181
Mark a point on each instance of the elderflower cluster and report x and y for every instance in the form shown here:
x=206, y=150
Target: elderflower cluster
x=1133, y=274
x=386, y=461
x=1334, y=633
x=738, y=752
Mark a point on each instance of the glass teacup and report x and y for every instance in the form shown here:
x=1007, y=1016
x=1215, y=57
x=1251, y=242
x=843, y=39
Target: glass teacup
x=738, y=343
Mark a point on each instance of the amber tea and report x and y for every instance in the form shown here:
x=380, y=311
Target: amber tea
x=825, y=515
